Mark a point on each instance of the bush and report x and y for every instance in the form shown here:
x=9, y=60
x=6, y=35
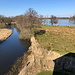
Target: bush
x=25, y=34
x=39, y=32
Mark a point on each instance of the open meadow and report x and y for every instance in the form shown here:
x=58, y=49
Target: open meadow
x=57, y=38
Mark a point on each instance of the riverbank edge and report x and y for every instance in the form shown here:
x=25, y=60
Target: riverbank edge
x=34, y=60
x=38, y=59
x=5, y=34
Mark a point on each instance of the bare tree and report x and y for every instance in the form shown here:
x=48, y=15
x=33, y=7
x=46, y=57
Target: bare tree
x=72, y=20
x=27, y=22
x=6, y=20
x=40, y=21
x=53, y=20
x=32, y=17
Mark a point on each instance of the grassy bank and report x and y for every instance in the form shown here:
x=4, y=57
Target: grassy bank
x=57, y=38
x=45, y=73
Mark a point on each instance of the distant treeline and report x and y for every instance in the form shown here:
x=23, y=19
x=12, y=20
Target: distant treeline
x=6, y=20
x=29, y=21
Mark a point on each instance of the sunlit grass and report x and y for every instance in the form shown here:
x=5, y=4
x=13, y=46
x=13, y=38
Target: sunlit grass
x=57, y=38
x=45, y=73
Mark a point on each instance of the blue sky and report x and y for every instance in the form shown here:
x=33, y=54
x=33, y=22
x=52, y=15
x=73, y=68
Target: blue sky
x=44, y=7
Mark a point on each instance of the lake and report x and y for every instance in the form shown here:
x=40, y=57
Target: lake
x=62, y=22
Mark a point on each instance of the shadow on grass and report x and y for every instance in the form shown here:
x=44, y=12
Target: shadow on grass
x=65, y=65
x=39, y=32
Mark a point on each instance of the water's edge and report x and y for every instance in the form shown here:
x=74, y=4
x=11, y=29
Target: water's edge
x=11, y=49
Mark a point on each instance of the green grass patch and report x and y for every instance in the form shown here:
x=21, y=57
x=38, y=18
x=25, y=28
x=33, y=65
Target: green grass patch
x=45, y=73
x=57, y=38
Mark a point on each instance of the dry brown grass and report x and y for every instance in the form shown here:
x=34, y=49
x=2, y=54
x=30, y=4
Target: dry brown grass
x=58, y=38
x=4, y=34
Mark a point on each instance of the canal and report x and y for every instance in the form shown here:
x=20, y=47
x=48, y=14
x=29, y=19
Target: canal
x=10, y=50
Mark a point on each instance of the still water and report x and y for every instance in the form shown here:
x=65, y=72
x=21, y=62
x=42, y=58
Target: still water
x=10, y=50
x=62, y=22
x=13, y=47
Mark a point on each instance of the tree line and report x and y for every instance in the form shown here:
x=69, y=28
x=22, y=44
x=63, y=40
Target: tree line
x=28, y=21
x=6, y=20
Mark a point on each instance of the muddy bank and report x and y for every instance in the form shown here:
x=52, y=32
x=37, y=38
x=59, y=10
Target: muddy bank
x=4, y=34
x=38, y=59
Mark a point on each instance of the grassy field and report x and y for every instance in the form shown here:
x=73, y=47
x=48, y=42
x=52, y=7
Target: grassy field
x=57, y=38
x=45, y=73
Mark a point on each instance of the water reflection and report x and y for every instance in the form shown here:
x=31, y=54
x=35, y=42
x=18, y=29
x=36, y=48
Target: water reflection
x=25, y=43
x=63, y=22
x=10, y=50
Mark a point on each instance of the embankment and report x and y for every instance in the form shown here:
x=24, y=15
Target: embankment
x=4, y=34
x=38, y=59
